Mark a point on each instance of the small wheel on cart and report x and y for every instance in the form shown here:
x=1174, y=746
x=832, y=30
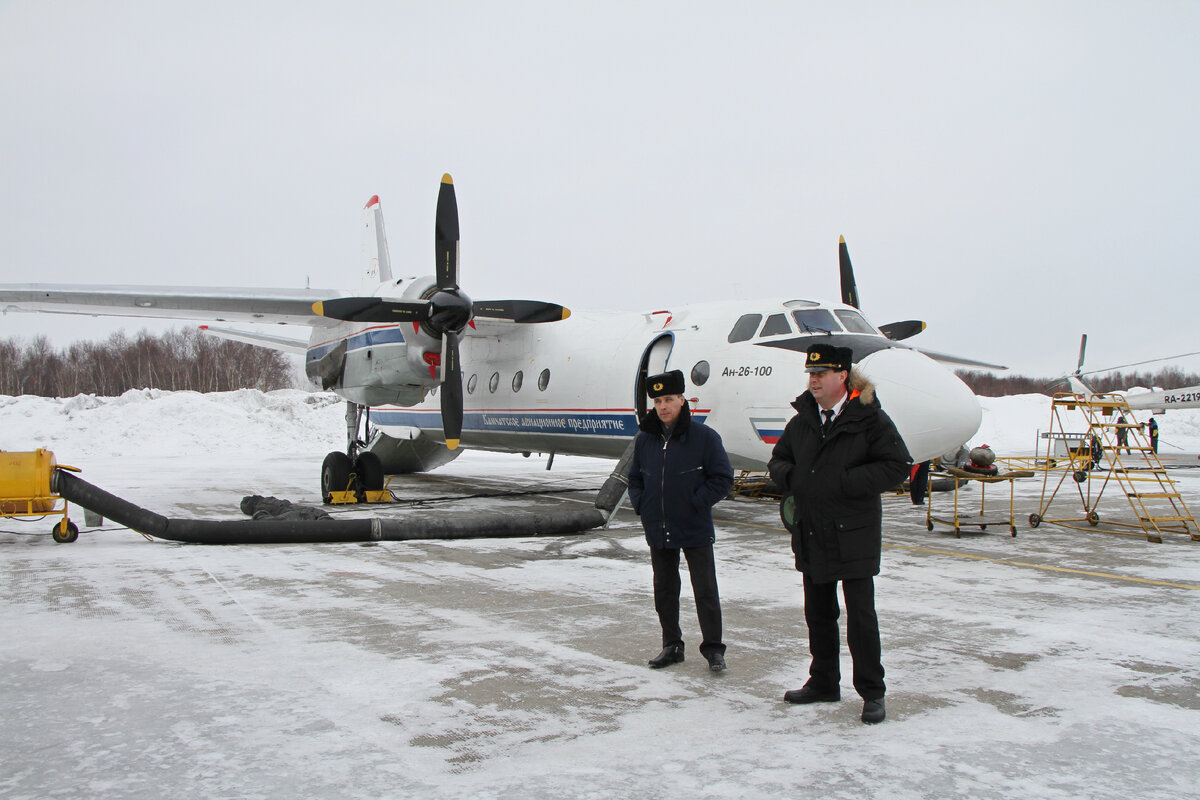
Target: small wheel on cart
x=67, y=535
x=1013, y=530
x=1080, y=476
x=1093, y=518
x=1035, y=519
x=929, y=525
x=983, y=527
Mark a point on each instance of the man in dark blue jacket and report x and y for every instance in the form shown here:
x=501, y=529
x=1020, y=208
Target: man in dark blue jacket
x=679, y=472
x=835, y=458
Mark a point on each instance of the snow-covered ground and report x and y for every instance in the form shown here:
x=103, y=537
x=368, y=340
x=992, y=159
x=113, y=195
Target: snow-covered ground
x=1057, y=664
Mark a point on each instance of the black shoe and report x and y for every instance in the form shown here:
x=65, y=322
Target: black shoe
x=873, y=711
x=716, y=662
x=808, y=694
x=671, y=654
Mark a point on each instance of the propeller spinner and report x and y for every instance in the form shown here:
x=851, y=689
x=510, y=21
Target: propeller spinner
x=446, y=313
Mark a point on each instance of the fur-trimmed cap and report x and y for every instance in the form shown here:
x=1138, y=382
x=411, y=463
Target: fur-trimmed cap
x=825, y=356
x=666, y=383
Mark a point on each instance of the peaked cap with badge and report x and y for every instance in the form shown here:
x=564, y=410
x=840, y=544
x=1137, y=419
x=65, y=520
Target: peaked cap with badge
x=826, y=356
x=666, y=383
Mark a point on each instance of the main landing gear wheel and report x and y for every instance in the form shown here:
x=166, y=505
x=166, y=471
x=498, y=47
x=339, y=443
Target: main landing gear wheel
x=1035, y=519
x=65, y=535
x=1080, y=476
x=369, y=470
x=335, y=475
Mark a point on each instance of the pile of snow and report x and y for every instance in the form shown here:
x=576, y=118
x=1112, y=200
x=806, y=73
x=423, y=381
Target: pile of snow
x=150, y=420
x=1012, y=426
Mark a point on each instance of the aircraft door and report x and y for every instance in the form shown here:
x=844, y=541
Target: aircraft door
x=654, y=362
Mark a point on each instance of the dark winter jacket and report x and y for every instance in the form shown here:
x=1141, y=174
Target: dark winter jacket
x=673, y=484
x=836, y=482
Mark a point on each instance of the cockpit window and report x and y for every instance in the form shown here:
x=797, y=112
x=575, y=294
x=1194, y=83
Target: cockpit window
x=744, y=328
x=854, y=321
x=815, y=320
x=776, y=325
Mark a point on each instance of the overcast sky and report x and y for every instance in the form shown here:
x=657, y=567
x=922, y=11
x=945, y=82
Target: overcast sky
x=1013, y=173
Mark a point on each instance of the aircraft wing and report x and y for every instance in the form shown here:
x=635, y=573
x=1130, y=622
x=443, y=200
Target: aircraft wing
x=946, y=358
x=219, y=304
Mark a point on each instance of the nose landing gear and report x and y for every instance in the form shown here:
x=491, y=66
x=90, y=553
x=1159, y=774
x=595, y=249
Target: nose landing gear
x=355, y=476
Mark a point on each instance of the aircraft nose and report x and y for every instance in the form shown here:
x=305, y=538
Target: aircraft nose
x=933, y=409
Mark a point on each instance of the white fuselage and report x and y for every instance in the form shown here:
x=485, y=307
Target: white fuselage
x=572, y=386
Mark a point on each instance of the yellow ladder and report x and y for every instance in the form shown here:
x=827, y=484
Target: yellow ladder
x=1133, y=466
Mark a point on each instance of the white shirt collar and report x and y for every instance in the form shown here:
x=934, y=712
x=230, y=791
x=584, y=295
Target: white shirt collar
x=837, y=408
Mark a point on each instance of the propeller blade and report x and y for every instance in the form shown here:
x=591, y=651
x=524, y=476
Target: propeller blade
x=452, y=391
x=902, y=330
x=445, y=239
x=1082, y=348
x=849, y=290
x=371, y=309
x=520, y=310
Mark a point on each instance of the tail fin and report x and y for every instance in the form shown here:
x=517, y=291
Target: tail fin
x=375, y=250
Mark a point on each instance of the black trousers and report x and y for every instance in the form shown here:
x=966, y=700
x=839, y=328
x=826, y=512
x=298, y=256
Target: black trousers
x=862, y=634
x=703, y=571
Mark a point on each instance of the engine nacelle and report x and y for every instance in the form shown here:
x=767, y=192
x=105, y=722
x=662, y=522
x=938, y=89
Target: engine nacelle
x=424, y=352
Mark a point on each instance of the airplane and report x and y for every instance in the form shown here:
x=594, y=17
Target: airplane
x=1158, y=401
x=422, y=367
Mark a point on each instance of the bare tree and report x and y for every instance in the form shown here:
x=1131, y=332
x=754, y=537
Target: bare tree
x=176, y=360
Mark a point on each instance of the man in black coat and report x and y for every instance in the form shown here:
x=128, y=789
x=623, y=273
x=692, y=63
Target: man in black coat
x=679, y=472
x=836, y=456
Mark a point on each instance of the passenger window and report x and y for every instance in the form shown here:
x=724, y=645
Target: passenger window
x=744, y=328
x=543, y=380
x=854, y=321
x=518, y=379
x=776, y=325
x=815, y=320
x=700, y=373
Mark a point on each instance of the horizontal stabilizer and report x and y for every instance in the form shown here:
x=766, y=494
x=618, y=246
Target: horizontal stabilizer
x=281, y=343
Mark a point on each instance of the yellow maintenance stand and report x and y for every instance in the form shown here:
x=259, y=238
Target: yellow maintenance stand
x=1094, y=460
x=25, y=490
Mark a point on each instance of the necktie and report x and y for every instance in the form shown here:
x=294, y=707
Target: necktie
x=828, y=412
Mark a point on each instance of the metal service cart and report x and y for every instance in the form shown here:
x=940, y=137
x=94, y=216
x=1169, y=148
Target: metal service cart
x=958, y=521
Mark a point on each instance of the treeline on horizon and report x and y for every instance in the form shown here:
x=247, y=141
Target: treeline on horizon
x=178, y=360
x=989, y=384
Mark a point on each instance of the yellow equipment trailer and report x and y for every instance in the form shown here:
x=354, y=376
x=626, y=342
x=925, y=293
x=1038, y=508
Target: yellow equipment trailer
x=25, y=490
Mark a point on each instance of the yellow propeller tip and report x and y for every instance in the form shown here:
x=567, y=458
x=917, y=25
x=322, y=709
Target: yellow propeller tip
x=447, y=179
x=841, y=240
x=452, y=444
x=318, y=308
x=566, y=313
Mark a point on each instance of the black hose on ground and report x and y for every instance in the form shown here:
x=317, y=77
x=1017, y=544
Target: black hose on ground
x=292, y=531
